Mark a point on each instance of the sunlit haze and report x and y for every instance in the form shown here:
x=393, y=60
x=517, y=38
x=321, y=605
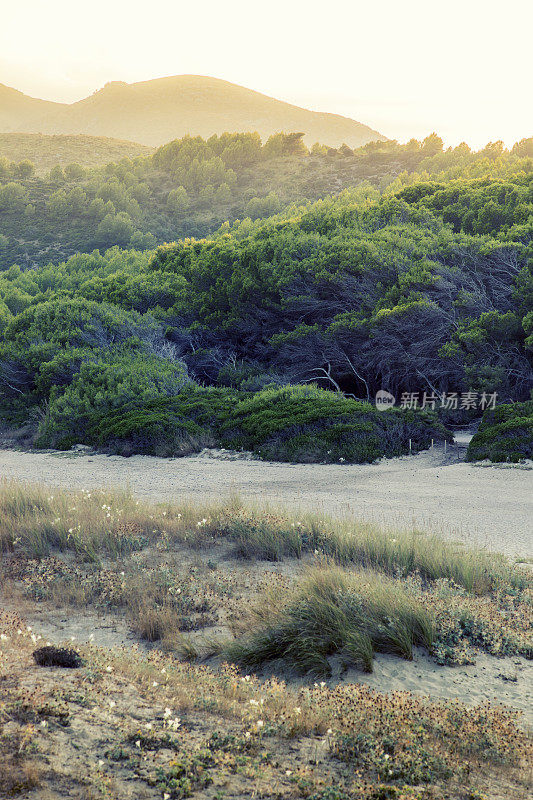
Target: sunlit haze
x=460, y=68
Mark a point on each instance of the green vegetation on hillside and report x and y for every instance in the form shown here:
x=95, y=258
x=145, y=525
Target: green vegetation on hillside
x=192, y=187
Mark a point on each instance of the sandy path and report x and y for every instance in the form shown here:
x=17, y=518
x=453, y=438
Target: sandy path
x=491, y=507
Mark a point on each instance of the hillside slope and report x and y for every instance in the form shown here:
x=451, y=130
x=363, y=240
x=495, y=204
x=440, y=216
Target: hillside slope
x=45, y=151
x=156, y=111
x=18, y=112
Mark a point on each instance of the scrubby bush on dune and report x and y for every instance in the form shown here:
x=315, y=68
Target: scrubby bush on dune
x=309, y=424
x=505, y=434
x=132, y=407
x=167, y=425
x=103, y=385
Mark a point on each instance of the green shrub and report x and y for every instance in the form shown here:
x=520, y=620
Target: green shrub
x=102, y=386
x=308, y=424
x=165, y=426
x=142, y=404
x=505, y=434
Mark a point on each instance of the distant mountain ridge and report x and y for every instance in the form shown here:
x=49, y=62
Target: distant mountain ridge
x=157, y=111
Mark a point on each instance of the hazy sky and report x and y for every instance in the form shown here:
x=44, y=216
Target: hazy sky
x=460, y=67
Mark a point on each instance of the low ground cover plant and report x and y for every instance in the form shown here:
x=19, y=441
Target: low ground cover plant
x=195, y=727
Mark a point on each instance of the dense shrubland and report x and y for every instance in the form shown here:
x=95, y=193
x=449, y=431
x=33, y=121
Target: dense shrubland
x=362, y=296
x=426, y=287
x=192, y=186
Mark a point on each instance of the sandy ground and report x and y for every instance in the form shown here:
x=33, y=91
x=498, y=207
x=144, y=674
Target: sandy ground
x=490, y=507
x=506, y=680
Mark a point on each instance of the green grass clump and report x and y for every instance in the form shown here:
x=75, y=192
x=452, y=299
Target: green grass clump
x=505, y=434
x=353, y=616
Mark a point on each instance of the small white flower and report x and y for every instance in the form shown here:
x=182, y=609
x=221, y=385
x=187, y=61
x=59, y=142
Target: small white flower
x=168, y=713
x=260, y=723
x=297, y=710
x=288, y=772
x=148, y=726
x=3, y=637
x=138, y=743
x=154, y=684
x=101, y=763
x=112, y=704
x=109, y=669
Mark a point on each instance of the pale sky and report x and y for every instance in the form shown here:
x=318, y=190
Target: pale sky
x=461, y=67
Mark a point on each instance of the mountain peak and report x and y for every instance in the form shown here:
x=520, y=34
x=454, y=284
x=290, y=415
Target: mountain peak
x=156, y=111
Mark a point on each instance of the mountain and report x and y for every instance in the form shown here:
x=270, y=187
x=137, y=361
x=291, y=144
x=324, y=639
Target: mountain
x=156, y=111
x=18, y=112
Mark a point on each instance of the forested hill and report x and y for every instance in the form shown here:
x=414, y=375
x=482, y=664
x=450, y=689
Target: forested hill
x=427, y=288
x=191, y=187
x=156, y=111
